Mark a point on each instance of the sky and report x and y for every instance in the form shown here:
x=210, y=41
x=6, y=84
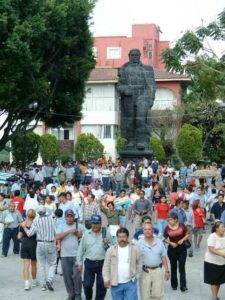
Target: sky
x=115, y=17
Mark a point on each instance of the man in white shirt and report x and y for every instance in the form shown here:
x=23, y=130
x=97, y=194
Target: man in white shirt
x=122, y=268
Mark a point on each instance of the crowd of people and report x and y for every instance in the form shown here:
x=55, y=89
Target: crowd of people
x=121, y=224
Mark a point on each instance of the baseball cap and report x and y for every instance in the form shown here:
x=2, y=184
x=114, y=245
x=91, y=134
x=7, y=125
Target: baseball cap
x=96, y=219
x=69, y=212
x=41, y=210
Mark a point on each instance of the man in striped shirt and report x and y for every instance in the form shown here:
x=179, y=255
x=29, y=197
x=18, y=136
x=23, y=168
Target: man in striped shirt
x=89, y=209
x=43, y=227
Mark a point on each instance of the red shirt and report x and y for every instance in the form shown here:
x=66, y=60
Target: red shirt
x=162, y=210
x=175, y=235
x=19, y=204
x=198, y=217
x=173, y=197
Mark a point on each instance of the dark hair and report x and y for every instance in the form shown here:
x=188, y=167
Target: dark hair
x=122, y=230
x=3, y=195
x=17, y=193
x=178, y=201
x=174, y=189
x=110, y=203
x=216, y=226
x=62, y=194
x=173, y=216
x=144, y=218
x=122, y=191
x=59, y=213
x=31, y=193
x=69, y=193
x=195, y=204
x=186, y=202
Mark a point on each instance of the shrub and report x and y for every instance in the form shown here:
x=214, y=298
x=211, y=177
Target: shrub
x=88, y=147
x=49, y=148
x=157, y=148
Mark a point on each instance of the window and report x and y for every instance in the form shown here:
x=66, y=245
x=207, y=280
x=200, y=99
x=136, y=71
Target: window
x=107, y=132
x=66, y=134
x=95, y=52
x=113, y=53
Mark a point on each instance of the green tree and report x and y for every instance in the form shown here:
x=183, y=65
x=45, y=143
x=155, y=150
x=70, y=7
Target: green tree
x=194, y=56
x=120, y=141
x=25, y=148
x=49, y=148
x=189, y=144
x=45, y=57
x=157, y=148
x=88, y=146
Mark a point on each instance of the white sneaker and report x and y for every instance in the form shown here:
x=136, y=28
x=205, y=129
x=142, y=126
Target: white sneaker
x=35, y=283
x=43, y=288
x=27, y=287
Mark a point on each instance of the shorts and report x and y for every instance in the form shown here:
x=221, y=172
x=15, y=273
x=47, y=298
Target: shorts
x=28, y=249
x=197, y=230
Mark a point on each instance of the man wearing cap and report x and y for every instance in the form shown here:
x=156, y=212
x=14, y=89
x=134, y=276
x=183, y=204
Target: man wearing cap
x=67, y=238
x=92, y=247
x=43, y=227
x=218, y=207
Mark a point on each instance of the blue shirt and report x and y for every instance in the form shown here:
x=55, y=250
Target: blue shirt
x=180, y=214
x=222, y=219
x=140, y=233
x=152, y=254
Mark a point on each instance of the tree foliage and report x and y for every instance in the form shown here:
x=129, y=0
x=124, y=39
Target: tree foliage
x=194, y=56
x=157, y=148
x=45, y=57
x=189, y=144
x=120, y=141
x=25, y=148
x=88, y=146
x=49, y=148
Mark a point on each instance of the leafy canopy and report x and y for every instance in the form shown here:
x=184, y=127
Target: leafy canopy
x=194, y=56
x=88, y=146
x=189, y=144
x=49, y=148
x=25, y=148
x=45, y=58
x=157, y=148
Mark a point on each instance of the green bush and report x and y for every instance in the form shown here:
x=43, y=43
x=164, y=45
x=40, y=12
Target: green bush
x=64, y=158
x=88, y=146
x=189, y=144
x=25, y=148
x=120, y=141
x=49, y=148
x=157, y=148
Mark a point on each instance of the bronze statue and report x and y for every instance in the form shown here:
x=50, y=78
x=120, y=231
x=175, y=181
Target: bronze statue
x=136, y=87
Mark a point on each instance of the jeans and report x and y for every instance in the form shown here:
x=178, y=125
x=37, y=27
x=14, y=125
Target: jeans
x=125, y=291
x=8, y=234
x=178, y=254
x=105, y=181
x=161, y=225
x=92, y=268
x=71, y=276
x=119, y=186
x=46, y=256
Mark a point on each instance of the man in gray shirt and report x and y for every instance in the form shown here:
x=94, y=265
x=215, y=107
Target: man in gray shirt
x=67, y=237
x=93, y=246
x=11, y=219
x=141, y=208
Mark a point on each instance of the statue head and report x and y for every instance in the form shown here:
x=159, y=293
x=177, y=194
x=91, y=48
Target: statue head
x=134, y=56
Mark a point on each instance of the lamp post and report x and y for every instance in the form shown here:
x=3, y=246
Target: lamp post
x=31, y=106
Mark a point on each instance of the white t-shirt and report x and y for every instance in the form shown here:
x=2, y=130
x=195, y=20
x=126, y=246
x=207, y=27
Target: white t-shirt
x=123, y=264
x=218, y=243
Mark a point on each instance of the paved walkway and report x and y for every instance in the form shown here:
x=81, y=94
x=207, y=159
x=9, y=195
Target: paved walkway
x=11, y=282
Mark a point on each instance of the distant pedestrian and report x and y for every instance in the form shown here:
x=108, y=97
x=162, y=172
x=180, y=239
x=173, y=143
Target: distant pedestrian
x=44, y=228
x=28, y=251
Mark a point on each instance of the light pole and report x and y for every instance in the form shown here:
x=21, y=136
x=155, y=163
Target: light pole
x=31, y=106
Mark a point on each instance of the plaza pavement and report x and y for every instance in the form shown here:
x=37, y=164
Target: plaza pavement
x=12, y=285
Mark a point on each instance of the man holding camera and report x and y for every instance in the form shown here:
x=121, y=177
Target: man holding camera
x=93, y=246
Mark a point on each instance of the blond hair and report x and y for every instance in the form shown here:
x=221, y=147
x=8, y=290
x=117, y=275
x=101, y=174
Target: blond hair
x=31, y=214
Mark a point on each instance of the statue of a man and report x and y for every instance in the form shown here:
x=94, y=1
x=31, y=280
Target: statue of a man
x=136, y=86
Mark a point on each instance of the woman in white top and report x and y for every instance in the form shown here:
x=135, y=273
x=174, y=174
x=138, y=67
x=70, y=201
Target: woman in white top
x=214, y=265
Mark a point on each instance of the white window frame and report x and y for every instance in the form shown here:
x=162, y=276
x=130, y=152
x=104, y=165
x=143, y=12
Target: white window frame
x=111, y=52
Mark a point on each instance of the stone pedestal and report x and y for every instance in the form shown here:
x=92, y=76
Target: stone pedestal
x=135, y=155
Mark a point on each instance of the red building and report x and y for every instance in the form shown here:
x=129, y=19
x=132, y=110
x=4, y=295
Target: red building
x=112, y=51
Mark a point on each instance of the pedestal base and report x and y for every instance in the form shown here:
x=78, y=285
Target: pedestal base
x=135, y=155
